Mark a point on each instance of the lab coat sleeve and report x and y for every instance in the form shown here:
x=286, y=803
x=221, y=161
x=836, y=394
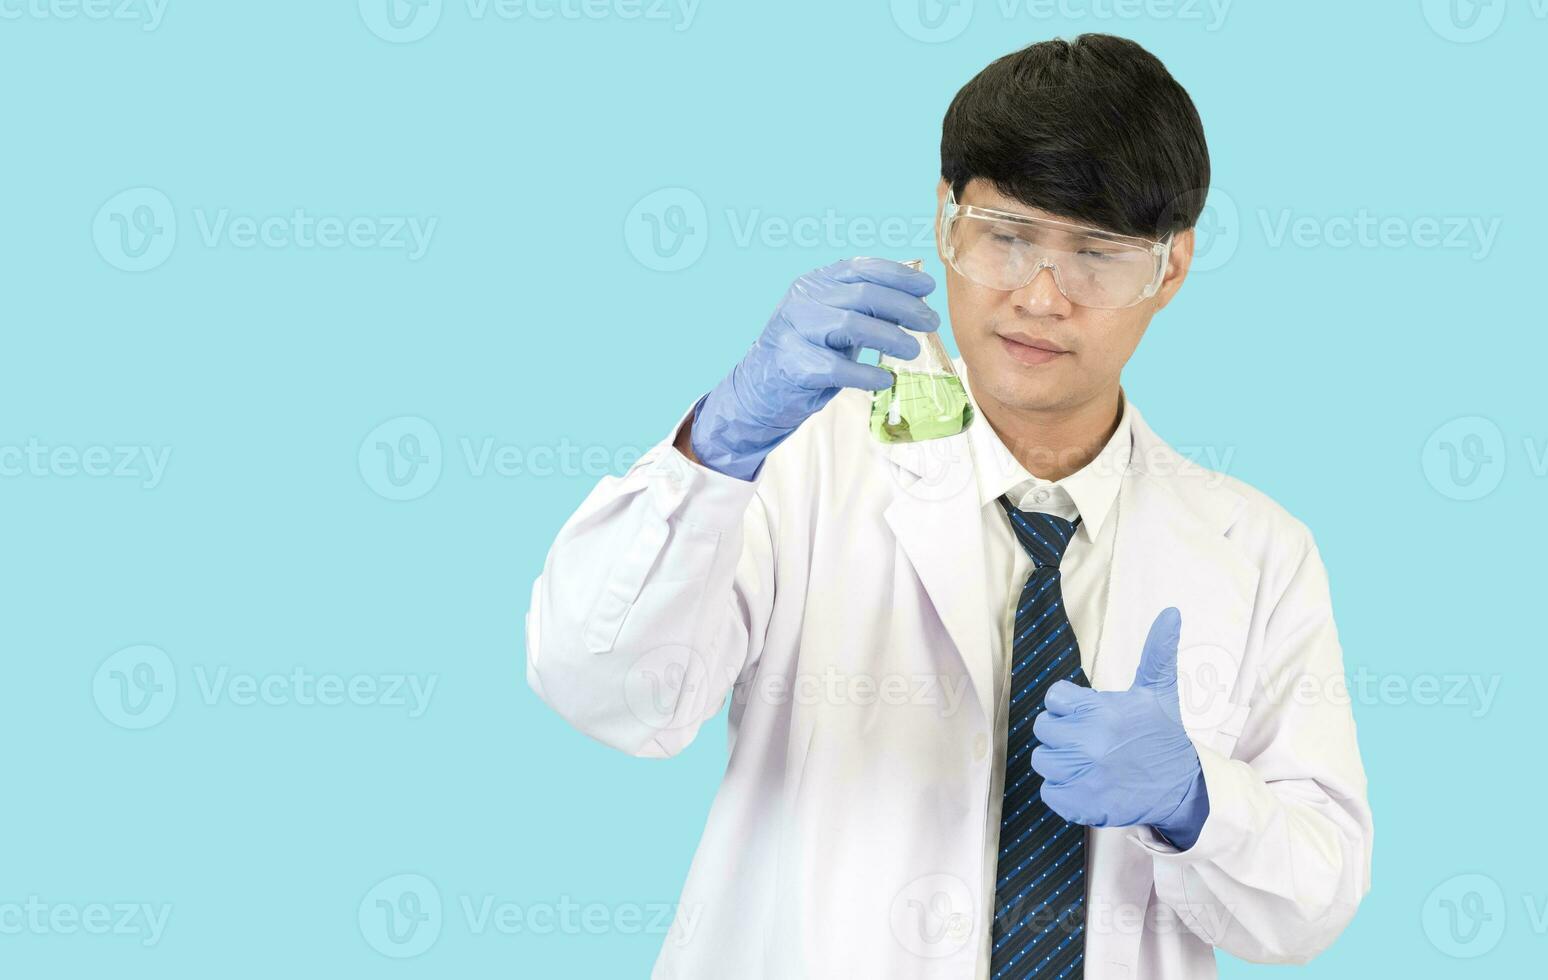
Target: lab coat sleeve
x=652, y=601
x=1284, y=857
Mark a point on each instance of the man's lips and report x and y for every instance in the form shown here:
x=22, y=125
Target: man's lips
x=1032, y=350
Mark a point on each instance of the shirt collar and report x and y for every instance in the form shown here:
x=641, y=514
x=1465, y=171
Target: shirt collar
x=1089, y=492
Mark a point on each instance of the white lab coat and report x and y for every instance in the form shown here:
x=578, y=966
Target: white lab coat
x=840, y=602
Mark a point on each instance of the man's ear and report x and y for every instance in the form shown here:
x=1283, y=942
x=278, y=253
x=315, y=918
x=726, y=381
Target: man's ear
x=1177, y=265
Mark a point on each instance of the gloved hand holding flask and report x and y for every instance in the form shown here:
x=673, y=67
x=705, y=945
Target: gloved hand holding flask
x=806, y=353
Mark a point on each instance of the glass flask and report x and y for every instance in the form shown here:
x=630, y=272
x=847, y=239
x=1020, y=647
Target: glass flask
x=926, y=400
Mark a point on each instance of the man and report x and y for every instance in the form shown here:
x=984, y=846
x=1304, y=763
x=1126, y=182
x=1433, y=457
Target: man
x=1007, y=703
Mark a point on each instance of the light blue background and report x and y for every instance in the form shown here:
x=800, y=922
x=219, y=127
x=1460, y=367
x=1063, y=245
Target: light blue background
x=538, y=318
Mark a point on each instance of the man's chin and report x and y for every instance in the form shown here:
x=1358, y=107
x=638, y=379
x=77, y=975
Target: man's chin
x=991, y=373
x=1015, y=387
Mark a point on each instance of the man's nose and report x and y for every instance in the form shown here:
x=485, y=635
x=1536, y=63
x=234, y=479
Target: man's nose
x=1041, y=296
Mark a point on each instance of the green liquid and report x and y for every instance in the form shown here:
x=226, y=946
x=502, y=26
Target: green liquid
x=930, y=406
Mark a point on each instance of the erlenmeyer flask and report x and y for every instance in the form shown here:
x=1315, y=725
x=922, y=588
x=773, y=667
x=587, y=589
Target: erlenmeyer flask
x=926, y=400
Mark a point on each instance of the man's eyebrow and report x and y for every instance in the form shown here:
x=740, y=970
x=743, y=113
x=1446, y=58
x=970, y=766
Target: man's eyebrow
x=1021, y=210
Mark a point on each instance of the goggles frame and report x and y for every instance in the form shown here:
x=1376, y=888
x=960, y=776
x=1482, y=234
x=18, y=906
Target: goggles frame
x=1160, y=250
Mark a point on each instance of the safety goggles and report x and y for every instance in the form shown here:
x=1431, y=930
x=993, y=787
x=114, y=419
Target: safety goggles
x=1091, y=267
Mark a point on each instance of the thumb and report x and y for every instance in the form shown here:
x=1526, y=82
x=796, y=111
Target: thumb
x=1158, y=661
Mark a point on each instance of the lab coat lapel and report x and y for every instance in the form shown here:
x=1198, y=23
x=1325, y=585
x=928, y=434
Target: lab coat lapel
x=935, y=516
x=1170, y=550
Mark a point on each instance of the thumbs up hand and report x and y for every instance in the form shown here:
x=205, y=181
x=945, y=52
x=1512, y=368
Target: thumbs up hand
x=1117, y=758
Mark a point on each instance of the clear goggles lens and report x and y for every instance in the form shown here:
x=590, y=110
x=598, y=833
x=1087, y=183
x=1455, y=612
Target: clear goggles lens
x=1091, y=268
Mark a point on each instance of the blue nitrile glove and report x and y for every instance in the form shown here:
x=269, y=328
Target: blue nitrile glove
x=1117, y=758
x=806, y=353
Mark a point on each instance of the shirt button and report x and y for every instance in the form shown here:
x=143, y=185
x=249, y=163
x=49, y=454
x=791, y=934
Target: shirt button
x=1040, y=496
x=980, y=747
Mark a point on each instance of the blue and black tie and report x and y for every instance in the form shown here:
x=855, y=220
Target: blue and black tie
x=1040, y=885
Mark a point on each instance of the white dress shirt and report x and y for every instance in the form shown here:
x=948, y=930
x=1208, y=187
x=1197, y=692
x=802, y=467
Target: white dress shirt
x=1090, y=493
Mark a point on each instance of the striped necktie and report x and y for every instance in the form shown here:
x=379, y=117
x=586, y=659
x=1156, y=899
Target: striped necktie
x=1040, y=884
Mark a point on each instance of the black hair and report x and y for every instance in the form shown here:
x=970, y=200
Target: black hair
x=1095, y=130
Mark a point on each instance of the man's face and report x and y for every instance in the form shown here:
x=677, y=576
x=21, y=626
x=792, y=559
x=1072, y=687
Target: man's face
x=990, y=324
